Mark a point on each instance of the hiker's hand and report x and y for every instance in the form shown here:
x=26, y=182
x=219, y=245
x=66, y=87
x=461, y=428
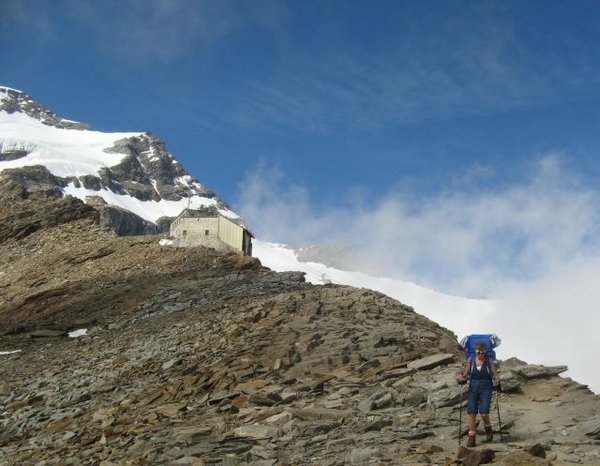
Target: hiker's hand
x=461, y=379
x=496, y=381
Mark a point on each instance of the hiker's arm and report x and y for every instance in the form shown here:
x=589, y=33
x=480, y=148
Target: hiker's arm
x=467, y=370
x=464, y=375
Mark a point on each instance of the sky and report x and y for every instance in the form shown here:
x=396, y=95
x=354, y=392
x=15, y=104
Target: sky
x=453, y=144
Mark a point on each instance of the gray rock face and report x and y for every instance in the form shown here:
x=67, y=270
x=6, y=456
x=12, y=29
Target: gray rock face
x=126, y=223
x=21, y=183
x=20, y=219
x=149, y=172
x=11, y=154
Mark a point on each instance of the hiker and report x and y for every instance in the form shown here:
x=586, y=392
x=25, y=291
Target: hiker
x=482, y=376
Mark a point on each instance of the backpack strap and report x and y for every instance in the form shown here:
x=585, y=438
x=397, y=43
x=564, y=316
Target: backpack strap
x=487, y=364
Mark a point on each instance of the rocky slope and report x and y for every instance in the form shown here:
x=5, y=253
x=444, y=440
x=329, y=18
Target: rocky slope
x=197, y=357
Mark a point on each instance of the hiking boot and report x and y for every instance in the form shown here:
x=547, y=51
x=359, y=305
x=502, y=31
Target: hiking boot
x=470, y=441
x=489, y=433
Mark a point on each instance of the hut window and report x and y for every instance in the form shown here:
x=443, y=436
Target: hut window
x=206, y=232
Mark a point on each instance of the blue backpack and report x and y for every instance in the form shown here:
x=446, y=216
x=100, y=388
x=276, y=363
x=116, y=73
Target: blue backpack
x=491, y=340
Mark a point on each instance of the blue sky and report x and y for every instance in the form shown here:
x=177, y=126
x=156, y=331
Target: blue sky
x=454, y=143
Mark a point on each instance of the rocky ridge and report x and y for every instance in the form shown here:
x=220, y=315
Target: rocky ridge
x=198, y=357
x=16, y=101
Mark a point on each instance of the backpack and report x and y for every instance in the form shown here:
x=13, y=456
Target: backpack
x=491, y=340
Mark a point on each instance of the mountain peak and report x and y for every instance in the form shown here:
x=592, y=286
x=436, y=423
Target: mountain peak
x=14, y=101
x=124, y=175
x=5, y=90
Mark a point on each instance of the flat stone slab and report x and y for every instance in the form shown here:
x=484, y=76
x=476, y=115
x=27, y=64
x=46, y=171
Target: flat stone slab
x=429, y=362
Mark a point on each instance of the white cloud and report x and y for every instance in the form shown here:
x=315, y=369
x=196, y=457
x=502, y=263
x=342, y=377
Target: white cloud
x=554, y=320
x=281, y=209
x=462, y=242
x=476, y=61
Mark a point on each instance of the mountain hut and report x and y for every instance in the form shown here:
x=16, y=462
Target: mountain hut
x=209, y=227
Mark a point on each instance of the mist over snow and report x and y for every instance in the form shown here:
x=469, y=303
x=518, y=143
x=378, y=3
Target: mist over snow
x=521, y=261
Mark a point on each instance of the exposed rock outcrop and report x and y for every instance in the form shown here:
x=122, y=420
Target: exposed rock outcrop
x=32, y=181
x=150, y=172
x=21, y=219
x=16, y=101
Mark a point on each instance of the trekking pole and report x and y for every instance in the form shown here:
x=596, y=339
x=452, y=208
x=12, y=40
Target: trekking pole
x=460, y=414
x=498, y=409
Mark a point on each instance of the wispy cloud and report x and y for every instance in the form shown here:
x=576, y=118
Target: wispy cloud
x=466, y=242
x=479, y=59
x=478, y=62
x=24, y=15
x=153, y=31
x=133, y=33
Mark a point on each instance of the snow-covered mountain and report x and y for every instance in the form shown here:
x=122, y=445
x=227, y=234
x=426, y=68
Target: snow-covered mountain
x=120, y=173
x=138, y=186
